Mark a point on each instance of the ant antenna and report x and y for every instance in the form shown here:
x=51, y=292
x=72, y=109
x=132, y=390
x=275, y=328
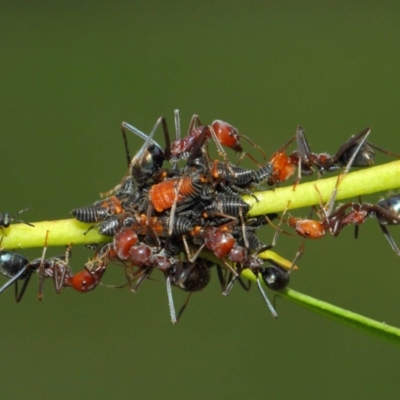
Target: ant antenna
x=146, y=138
x=269, y=304
x=171, y=306
x=6, y=219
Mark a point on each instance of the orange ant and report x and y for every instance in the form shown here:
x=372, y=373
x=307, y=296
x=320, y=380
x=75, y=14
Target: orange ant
x=307, y=162
x=329, y=220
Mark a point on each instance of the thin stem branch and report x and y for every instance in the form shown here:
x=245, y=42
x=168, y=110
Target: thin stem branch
x=338, y=314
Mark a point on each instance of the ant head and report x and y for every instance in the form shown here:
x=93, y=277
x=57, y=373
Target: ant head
x=6, y=219
x=275, y=277
x=150, y=156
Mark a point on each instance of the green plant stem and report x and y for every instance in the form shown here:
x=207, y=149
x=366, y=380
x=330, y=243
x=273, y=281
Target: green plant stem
x=371, y=180
x=59, y=233
x=346, y=317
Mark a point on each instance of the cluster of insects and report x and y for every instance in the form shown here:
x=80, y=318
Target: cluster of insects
x=180, y=211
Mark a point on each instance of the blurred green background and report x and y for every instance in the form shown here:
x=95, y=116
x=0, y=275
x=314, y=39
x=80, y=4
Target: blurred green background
x=72, y=71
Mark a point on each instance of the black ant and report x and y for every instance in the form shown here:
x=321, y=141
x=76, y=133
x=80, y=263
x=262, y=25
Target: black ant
x=6, y=219
x=17, y=267
x=190, y=277
x=147, y=161
x=329, y=220
x=307, y=162
x=386, y=211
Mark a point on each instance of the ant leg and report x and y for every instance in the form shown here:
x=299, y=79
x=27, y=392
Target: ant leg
x=357, y=226
x=16, y=291
x=14, y=279
x=193, y=122
x=184, y=275
x=235, y=276
x=277, y=228
x=128, y=158
x=304, y=155
x=20, y=220
x=59, y=280
x=167, y=151
x=150, y=229
x=256, y=147
x=183, y=306
x=173, y=208
x=389, y=238
x=248, y=155
x=326, y=210
x=388, y=153
x=296, y=258
x=298, y=179
x=126, y=145
x=244, y=232
x=221, y=276
x=42, y=269
x=24, y=286
x=143, y=275
x=221, y=151
x=195, y=255
x=245, y=286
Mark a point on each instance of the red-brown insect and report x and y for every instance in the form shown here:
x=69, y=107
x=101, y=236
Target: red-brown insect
x=89, y=278
x=307, y=162
x=222, y=133
x=329, y=220
x=164, y=194
x=17, y=267
x=86, y=280
x=123, y=241
x=283, y=166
